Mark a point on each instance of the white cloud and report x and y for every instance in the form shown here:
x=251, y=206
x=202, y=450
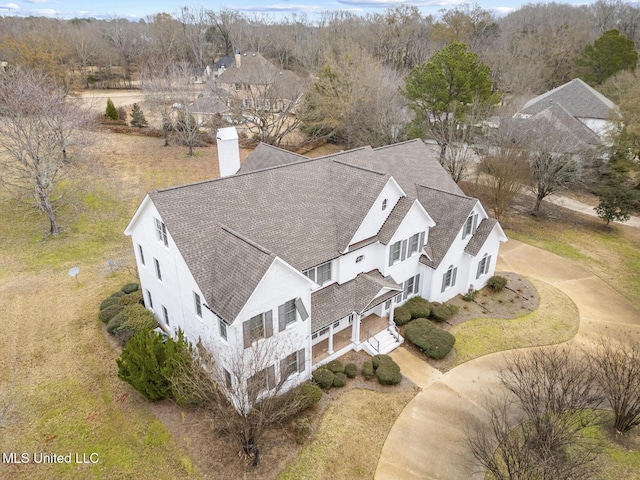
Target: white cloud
x=10, y=6
x=48, y=11
x=36, y=1
x=278, y=7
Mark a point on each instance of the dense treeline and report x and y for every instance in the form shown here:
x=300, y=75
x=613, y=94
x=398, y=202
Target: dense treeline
x=528, y=51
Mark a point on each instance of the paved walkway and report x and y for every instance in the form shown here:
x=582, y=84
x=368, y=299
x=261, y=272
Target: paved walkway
x=577, y=206
x=428, y=439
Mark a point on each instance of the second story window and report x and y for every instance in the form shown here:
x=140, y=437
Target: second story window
x=287, y=314
x=320, y=274
x=470, y=225
x=385, y=202
x=260, y=326
x=395, y=252
x=197, y=304
x=161, y=232
x=158, y=271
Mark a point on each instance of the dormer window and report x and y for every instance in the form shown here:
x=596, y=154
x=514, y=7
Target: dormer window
x=384, y=204
x=359, y=258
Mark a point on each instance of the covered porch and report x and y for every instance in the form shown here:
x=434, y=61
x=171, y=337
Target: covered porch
x=342, y=341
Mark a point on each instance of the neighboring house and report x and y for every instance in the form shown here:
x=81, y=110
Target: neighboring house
x=254, y=83
x=307, y=258
x=581, y=101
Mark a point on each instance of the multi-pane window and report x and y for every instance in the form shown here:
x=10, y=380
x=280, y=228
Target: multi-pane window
x=483, y=266
x=260, y=326
x=469, y=225
x=414, y=244
x=158, y=271
x=197, y=304
x=287, y=314
x=411, y=286
x=263, y=380
x=320, y=274
x=394, y=252
x=227, y=378
x=222, y=327
x=449, y=278
x=161, y=232
x=165, y=315
x=256, y=327
x=141, y=252
x=291, y=364
x=150, y=299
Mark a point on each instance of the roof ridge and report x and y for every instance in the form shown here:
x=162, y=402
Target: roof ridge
x=413, y=140
x=343, y=152
x=466, y=197
x=360, y=168
x=241, y=237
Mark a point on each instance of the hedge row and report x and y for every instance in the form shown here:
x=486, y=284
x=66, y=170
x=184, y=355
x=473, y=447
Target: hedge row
x=124, y=313
x=418, y=307
x=431, y=340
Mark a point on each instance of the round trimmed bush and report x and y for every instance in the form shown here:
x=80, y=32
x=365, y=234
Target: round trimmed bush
x=378, y=359
x=123, y=335
x=323, y=377
x=351, y=370
x=139, y=318
x=440, y=312
x=497, y=283
x=388, y=373
x=311, y=394
x=131, y=298
x=431, y=340
x=339, y=380
x=117, y=294
x=401, y=315
x=106, y=314
x=116, y=322
x=129, y=287
x=367, y=370
x=418, y=307
x=335, y=366
x=108, y=301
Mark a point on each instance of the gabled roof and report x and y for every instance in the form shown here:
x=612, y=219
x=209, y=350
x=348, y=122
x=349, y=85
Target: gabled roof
x=578, y=98
x=450, y=212
x=553, y=128
x=266, y=156
x=480, y=236
x=362, y=293
x=394, y=219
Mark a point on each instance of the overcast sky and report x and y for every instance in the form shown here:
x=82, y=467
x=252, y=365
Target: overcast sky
x=136, y=9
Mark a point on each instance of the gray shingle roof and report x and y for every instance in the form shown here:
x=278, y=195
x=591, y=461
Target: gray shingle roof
x=450, y=212
x=266, y=156
x=394, y=219
x=229, y=230
x=577, y=97
x=337, y=301
x=480, y=236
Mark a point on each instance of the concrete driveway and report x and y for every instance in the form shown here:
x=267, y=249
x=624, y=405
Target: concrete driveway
x=428, y=439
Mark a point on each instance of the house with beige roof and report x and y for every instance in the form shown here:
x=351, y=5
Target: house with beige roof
x=302, y=260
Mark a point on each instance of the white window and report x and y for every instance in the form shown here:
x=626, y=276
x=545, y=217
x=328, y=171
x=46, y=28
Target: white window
x=222, y=327
x=470, y=225
x=262, y=381
x=287, y=314
x=227, y=378
x=411, y=286
x=165, y=315
x=320, y=274
x=291, y=364
x=197, y=304
x=385, y=202
x=161, y=232
x=449, y=278
x=387, y=305
x=394, y=253
x=150, y=299
x=414, y=244
x=483, y=266
x=141, y=252
x=158, y=271
x=260, y=326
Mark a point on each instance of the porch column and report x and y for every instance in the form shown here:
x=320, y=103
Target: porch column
x=356, y=327
x=330, y=349
x=391, y=311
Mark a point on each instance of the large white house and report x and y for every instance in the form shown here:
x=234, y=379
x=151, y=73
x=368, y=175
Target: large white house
x=306, y=258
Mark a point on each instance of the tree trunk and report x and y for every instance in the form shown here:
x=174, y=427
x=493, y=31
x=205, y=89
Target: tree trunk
x=539, y=198
x=45, y=204
x=166, y=136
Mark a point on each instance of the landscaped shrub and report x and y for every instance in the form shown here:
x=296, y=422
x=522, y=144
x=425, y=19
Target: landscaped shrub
x=441, y=312
x=155, y=367
x=130, y=299
x=129, y=287
x=367, y=370
x=335, y=366
x=109, y=312
x=378, y=359
x=418, y=307
x=323, y=377
x=497, y=283
x=311, y=394
x=108, y=301
x=123, y=335
x=116, y=322
x=401, y=315
x=139, y=318
x=117, y=294
x=302, y=427
x=388, y=373
x=431, y=340
x=339, y=380
x=351, y=370
x=469, y=296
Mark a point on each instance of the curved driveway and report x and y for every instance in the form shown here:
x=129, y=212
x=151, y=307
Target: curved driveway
x=427, y=440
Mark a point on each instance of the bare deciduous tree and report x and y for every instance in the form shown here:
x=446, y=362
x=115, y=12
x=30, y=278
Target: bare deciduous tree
x=534, y=433
x=616, y=367
x=40, y=132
